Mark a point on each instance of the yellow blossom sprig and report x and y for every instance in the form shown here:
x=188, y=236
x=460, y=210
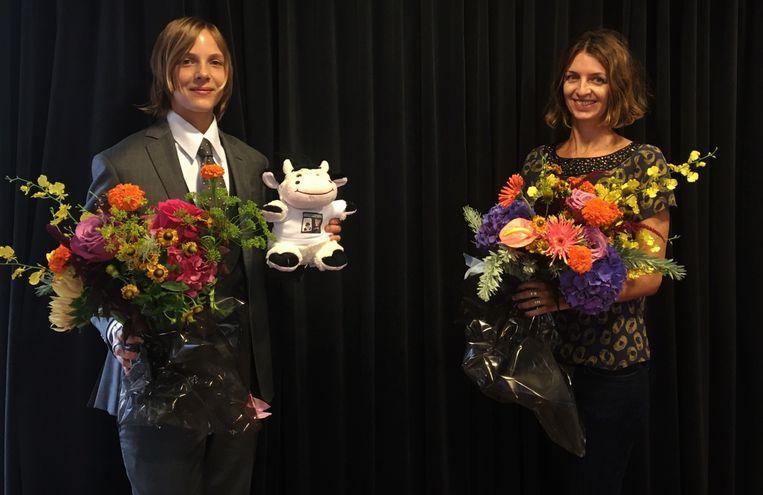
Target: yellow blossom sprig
x=689, y=168
x=38, y=272
x=44, y=189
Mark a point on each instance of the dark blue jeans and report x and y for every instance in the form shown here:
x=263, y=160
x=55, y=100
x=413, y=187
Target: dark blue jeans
x=614, y=407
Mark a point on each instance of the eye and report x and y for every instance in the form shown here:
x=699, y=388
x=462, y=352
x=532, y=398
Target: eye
x=299, y=175
x=186, y=61
x=297, y=182
x=570, y=77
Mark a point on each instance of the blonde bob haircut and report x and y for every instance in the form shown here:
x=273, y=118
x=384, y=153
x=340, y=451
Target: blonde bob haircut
x=627, y=101
x=174, y=42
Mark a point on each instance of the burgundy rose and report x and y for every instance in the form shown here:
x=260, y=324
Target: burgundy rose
x=179, y=215
x=88, y=242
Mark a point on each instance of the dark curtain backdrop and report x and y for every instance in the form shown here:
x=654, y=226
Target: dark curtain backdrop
x=426, y=105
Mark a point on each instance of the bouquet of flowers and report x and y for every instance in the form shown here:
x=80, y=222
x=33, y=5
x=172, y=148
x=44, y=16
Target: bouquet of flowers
x=581, y=235
x=155, y=269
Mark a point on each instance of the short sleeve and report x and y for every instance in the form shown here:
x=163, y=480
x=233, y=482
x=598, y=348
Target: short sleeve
x=648, y=156
x=533, y=164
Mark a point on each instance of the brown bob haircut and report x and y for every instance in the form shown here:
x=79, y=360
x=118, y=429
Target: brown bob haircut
x=627, y=101
x=174, y=42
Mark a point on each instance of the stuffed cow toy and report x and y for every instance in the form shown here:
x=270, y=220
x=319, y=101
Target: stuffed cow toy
x=307, y=201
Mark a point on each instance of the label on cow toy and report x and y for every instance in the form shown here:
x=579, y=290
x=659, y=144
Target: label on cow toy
x=311, y=222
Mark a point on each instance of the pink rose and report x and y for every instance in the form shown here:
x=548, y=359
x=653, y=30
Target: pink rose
x=179, y=215
x=88, y=242
x=518, y=233
x=194, y=271
x=578, y=199
x=597, y=242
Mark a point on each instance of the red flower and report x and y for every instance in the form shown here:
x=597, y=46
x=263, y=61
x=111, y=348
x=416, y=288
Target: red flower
x=193, y=270
x=179, y=215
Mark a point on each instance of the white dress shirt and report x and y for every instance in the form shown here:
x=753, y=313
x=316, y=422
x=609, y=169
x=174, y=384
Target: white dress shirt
x=187, y=142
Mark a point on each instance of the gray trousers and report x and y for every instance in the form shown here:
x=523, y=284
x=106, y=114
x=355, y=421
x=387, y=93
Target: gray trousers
x=170, y=461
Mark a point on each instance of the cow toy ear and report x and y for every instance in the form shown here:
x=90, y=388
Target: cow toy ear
x=270, y=180
x=287, y=166
x=340, y=181
x=324, y=166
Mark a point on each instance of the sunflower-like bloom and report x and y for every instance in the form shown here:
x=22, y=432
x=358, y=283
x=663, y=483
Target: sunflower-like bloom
x=130, y=292
x=67, y=287
x=561, y=234
x=511, y=190
x=126, y=197
x=167, y=237
x=157, y=272
x=600, y=213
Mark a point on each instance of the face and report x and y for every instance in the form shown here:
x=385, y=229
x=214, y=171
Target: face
x=586, y=89
x=199, y=79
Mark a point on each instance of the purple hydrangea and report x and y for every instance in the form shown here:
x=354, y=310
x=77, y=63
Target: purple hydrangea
x=595, y=291
x=496, y=219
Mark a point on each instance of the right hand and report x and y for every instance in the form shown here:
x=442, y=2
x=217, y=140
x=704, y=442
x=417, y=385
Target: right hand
x=124, y=356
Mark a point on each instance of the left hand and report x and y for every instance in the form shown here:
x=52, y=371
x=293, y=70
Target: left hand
x=334, y=228
x=537, y=298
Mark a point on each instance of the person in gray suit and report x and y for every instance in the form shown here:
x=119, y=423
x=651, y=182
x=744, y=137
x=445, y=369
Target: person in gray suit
x=191, y=88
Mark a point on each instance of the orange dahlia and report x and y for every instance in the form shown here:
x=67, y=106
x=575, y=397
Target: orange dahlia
x=126, y=197
x=212, y=171
x=511, y=190
x=580, y=259
x=600, y=213
x=58, y=258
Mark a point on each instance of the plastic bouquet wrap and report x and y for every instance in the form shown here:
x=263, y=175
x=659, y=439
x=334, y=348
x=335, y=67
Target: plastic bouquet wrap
x=155, y=269
x=583, y=239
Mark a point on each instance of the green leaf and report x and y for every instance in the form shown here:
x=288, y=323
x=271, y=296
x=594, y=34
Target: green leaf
x=175, y=286
x=473, y=218
x=636, y=259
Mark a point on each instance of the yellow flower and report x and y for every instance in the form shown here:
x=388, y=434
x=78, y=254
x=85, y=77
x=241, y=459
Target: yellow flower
x=701, y=164
x=652, y=191
x=17, y=273
x=34, y=278
x=532, y=192
x=632, y=201
x=653, y=170
x=67, y=287
x=25, y=189
x=130, y=291
x=57, y=189
x=190, y=248
x=43, y=181
x=61, y=214
x=7, y=253
x=671, y=184
x=694, y=156
x=127, y=252
x=67, y=284
x=85, y=215
x=157, y=272
x=692, y=177
x=168, y=237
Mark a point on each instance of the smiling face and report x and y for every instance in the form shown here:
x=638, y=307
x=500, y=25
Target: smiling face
x=199, y=79
x=307, y=188
x=586, y=89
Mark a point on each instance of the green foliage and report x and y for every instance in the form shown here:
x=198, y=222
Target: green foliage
x=473, y=218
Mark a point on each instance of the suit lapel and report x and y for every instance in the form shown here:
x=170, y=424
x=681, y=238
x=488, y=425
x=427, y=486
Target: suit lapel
x=161, y=150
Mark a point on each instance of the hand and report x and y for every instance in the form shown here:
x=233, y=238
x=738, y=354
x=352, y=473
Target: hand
x=334, y=228
x=124, y=356
x=537, y=298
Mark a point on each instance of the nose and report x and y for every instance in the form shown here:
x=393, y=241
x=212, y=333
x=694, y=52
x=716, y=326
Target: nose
x=202, y=72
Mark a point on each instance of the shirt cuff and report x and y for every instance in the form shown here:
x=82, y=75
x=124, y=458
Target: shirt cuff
x=114, y=326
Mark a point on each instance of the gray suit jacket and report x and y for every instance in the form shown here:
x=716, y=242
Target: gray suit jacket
x=148, y=158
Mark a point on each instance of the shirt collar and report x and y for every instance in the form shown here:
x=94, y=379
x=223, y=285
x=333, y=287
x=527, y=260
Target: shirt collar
x=189, y=138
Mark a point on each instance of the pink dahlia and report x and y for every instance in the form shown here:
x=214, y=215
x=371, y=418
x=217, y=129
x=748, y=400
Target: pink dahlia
x=561, y=234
